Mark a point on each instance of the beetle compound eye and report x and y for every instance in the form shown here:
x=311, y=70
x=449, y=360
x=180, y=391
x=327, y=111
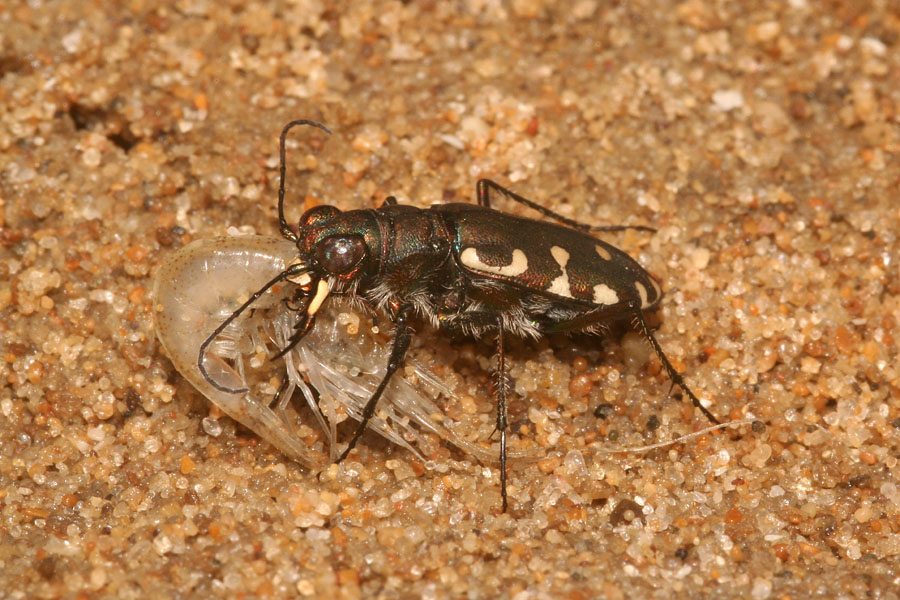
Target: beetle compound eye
x=339, y=254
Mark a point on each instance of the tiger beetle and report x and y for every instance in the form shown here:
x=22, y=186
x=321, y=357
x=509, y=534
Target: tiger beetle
x=465, y=268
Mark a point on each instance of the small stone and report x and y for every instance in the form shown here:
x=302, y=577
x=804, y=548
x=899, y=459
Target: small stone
x=162, y=544
x=98, y=578
x=211, y=426
x=584, y=9
x=764, y=32
x=700, y=258
x=863, y=514
x=810, y=365
x=762, y=588
x=726, y=100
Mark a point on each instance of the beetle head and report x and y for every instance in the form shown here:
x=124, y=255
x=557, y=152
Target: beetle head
x=338, y=244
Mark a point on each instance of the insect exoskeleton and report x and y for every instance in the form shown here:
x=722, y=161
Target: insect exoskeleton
x=337, y=367
x=197, y=288
x=467, y=269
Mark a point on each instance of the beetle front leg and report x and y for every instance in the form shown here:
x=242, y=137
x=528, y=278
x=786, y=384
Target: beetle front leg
x=278, y=401
x=300, y=330
x=402, y=337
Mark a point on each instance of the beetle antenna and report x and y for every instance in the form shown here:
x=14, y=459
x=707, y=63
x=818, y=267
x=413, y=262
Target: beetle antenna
x=285, y=228
x=291, y=271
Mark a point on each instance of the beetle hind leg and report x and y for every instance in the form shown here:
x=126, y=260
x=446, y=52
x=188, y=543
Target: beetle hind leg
x=674, y=376
x=633, y=307
x=483, y=191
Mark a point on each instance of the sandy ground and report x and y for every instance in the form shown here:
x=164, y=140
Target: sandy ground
x=761, y=140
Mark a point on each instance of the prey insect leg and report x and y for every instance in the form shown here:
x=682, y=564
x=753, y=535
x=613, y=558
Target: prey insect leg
x=484, y=187
x=402, y=337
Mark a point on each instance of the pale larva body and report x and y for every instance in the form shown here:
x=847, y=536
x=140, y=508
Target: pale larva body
x=200, y=285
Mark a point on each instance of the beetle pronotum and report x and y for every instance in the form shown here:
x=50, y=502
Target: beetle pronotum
x=466, y=268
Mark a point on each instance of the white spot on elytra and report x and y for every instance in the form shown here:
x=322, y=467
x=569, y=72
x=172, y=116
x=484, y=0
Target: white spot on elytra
x=560, y=285
x=642, y=292
x=603, y=294
x=657, y=291
x=603, y=252
x=469, y=258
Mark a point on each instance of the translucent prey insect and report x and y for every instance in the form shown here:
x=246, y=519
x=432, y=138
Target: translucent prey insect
x=336, y=367
x=197, y=288
x=466, y=269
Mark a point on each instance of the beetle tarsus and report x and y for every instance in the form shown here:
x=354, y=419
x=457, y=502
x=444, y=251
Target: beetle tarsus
x=301, y=329
x=277, y=400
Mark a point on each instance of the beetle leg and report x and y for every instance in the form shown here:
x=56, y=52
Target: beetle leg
x=466, y=322
x=402, y=337
x=302, y=301
x=674, y=375
x=204, y=347
x=501, y=410
x=600, y=314
x=484, y=186
x=300, y=329
x=632, y=307
x=277, y=400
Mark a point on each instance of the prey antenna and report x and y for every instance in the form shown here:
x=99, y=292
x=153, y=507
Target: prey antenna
x=294, y=269
x=285, y=228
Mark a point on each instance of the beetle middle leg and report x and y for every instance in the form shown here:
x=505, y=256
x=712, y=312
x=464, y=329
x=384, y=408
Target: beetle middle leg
x=477, y=321
x=484, y=187
x=502, y=385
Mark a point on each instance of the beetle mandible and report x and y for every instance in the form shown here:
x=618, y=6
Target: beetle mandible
x=466, y=268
